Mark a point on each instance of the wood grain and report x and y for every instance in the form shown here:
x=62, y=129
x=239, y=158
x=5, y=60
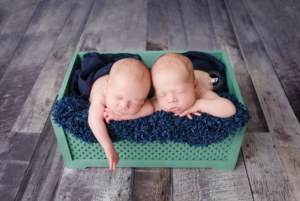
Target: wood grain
x=37, y=107
x=190, y=26
x=226, y=40
x=157, y=25
x=152, y=184
x=209, y=184
x=264, y=169
x=15, y=156
x=15, y=18
x=280, y=36
x=96, y=184
x=283, y=124
x=177, y=36
x=248, y=39
x=28, y=60
x=224, y=35
x=258, y=122
x=197, y=24
x=45, y=169
x=115, y=26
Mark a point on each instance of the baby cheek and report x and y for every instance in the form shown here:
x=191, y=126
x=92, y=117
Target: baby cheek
x=187, y=102
x=163, y=104
x=134, y=109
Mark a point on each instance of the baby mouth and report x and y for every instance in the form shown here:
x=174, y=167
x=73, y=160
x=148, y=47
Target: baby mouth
x=118, y=113
x=174, y=109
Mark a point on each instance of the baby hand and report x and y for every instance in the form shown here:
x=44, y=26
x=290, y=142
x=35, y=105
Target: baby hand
x=112, y=157
x=110, y=115
x=188, y=112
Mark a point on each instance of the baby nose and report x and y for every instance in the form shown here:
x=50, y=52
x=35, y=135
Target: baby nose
x=124, y=105
x=172, y=99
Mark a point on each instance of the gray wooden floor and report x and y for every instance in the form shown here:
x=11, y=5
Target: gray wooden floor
x=38, y=39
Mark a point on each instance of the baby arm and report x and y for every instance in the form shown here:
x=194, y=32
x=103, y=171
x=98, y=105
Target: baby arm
x=146, y=110
x=97, y=125
x=212, y=104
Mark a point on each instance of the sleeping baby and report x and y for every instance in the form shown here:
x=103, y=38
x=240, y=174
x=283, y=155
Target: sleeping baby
x=183, y=90
x=121, y=95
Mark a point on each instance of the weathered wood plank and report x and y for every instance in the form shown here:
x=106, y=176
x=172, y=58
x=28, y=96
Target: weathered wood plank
x=119, y=27
x=226, y=40
x=15, y=156
x=264, y=169
x=190, y=26
x=258, y=122
x=248, y=39
x=280, y=36
x=45, y=169
x=224, y=35
x=283, y=124
x=40, y=100
x=28, y=60
x=197, y=24
x=152, y=184
x=157, y=26
x=177, y=36
x=96, y=184
x=111, y=26
x=209, y=184
x=15, y=18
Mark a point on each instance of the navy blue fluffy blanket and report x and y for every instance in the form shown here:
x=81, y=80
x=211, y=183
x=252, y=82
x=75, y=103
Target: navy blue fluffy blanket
x=72, y=115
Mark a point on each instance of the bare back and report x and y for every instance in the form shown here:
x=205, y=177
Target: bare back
x=204, y=83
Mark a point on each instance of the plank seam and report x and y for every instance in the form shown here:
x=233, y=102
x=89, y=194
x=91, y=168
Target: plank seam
x=62, y=27
x=77, y=41
x=13, y=54
x=30, y=161
x=247, y=173
x=133, y=176
x=181, y=17
x=237, y=38
x=260, y=37
x=212, y=29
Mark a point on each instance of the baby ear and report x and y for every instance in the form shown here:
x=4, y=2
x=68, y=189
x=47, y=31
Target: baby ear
x=196, y=83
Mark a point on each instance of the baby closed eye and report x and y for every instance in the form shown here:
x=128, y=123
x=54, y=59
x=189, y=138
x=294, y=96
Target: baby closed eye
x=136, y=104
x=162, y=95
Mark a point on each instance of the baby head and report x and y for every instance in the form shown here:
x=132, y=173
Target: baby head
x=174, y=82
x=127, y=86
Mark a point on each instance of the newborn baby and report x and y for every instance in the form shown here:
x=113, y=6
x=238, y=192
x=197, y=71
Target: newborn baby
x=121, y=95
x=184, y=91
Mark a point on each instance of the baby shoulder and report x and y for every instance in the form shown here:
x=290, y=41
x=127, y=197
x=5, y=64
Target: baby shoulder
x=98, y=97
x=209, y=95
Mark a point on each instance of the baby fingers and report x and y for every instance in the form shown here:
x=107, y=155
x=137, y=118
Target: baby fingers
x=197, y=113
x=184, y=113
x=107, y=119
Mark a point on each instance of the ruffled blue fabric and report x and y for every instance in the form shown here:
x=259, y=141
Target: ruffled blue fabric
x=72, y=115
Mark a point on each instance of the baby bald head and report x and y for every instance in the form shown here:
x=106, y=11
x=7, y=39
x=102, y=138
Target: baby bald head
x=130, y=68
x=174, y=62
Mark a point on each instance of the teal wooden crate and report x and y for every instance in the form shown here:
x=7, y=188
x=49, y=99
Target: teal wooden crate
x=220, y=156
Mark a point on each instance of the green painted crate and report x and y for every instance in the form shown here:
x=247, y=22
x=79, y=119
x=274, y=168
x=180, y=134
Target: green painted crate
x=221, y=156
